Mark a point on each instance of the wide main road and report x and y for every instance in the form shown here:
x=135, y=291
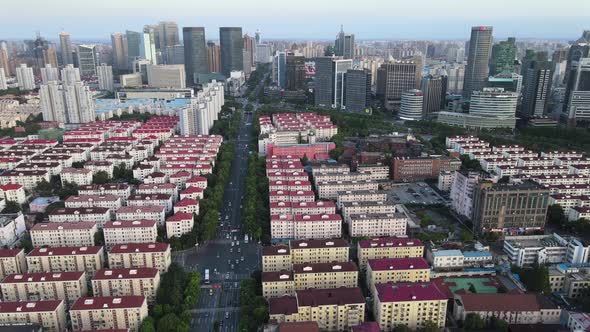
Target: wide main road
x=228, y=258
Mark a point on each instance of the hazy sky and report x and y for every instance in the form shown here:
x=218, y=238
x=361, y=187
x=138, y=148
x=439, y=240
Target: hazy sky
x=305, y=19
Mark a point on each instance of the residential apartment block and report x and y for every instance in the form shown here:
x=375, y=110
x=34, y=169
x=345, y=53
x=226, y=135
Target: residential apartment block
x=130, y=231
x=66, y=286
x=125, y=312
x=124, y=282
x=66, y=259
x=61, y=234
x=49, y=314
x=135, y=255
x=388, y=247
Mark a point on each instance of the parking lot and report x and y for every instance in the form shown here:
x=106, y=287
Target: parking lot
x=414, y=193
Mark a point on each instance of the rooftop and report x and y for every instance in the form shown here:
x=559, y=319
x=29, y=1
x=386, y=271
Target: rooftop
x=390, y=242
x=406, y=292
x=336, y=296
x=412, y=263
x=140, y=247
x=108, y=302
x=132, y=273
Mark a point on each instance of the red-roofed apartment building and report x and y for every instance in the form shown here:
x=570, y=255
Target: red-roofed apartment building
x=90, y=313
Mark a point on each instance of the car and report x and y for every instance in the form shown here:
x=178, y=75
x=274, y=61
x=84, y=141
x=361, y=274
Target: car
x=237, y=261
x=237, y=243
x=239, y=249
x=226, y=315
x=242, y=258
x=232, y=266
x=232, y=243
x=210, y=291
x=227, y=236
x=231, y=249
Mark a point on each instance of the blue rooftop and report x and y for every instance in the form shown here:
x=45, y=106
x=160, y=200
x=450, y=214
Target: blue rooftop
x=477, y=254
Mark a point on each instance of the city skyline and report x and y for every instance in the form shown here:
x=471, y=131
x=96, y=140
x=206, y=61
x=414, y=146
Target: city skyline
x=393, y=20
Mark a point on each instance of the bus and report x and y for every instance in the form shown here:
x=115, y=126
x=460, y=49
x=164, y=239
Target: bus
x=207, y=280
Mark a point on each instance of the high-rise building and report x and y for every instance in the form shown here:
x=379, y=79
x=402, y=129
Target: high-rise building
x=231, y=49
x=330, y=81
x=279, y=69
x=249, y=49
x=397, y=77
x=166, y=76
x=503, y=56
x=433, y=90
x=70, y=75
x=258, y=37
x=147, y=45
x=508, y=207
x=263, y=53
x=133, y=45
x=173, y=55
x=344, y=45
x=119, y=43
x=87, y=59
x=476, y=72
x=65, y=43
x=358, y=90
x=167, y=34
x=52, y=102
x=198, y=117
x=4, y=60
x=39, y=50
x=67, y=103
x=25, y=77
x=195, y=53
x=295, y=73
x=49, y=73
x=537, y=87
x=455, y=78
x=50, y=56
x=105, y=77
x=214, y=57
x=578, y=97
x=3, y=85
x=411, y=105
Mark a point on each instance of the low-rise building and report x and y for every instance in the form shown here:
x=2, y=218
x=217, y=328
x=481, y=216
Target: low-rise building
x=66, y=259
x=410, y=304
x=97, y=215
x=360, y=196
x=50, y=314
x=330, y=189
x=366, y=207
x=108, y=312
x=153, y=212
x=417, y=169
x=378, y=224
x=124, y=282
x=306, y=226
x=12, y=261
x=79, y=176
x=111, y=202
x=179, y=224
x=396, y=270
x=12, y=227
x=136, y=255
x=130, y=231
x=122, y=190
x=187, y=205
x=388, y=247
x=333, y=309
x=319, y=251
x=512, y=308
x=545, y=249
x=66, y=286
x=325, y=275
x=445, y=260
x=27, y=179
x=277, y=284
x=14, y=193
x=57, y=234
x=151, y=200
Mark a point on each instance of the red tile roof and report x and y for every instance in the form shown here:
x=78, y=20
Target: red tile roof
x=390, y=242
x=180, y=216
x=325, y=267
x=336, y=296
x=140, y=247
x=314, y=244
x=501, y=302
x=130, y=223
x=366, y=327
x=132, y=273
x=276, y=250
x=406, y=292
x=51, y=226
x=411, y=263
x=5, y=253
x=141, y=209
x=299, y=327
x=63, y=251
x=43, y=276
x=285, y=305
x=108, y=302
x=187, y=202
x=29, y=306
x=277, y=276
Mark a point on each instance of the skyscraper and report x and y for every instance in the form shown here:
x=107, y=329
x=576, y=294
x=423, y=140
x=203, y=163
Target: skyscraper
x=105, y=77
x=432, y=88
x=87, y=59
x=4, y=61
x=3, y=85
x=25, y=77
x=79, y=103
x=50, y=56
x=344, y=44
x=52, y=102
x=231, y=48
x=411, y=105
x=396, y=77
x=295, y=73
x=167, y=34
x=580, y=50
x=279, y=69
x=330, y=81
x=213, y=57
x=147, y=46
x=195, y=53
x=537, y=87
x=578, y=100
x=40, y=46
x=133, y=44
x=476, y=72
x=503, y=56
x=358, y=90
x=249, y=46
x=66, y=48
x=70, y=75
x=49, y=73
x=262, y=53
x=119, y=46
x=173, y=55
x=258, y=37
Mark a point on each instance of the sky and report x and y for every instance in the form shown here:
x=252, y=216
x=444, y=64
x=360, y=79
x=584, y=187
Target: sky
x=301, y=19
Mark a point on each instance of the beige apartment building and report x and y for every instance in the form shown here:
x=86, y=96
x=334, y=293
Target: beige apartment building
x=394, y=270
x=122, y=190
x=12, y=261
x=325, y=275
x=27, y=179
x=276, y=258
x=366, y=207
x=135, y=255
x=179, y=224
x=388, y=247
x=360, y=196
x=79, y=176
x=377, y=224
x=130, y=231
x=60, y=234
x=67, y=286
x=50, y=314
x=410, y=304
x=66, y=259
x=330, y=189
x=333, y=309
x=123, y=282
x=88, y=201
x=319, y=251
x=377, y=171
x=97, y=215
x=94, y=313
x=278, y=283
x=150, y=212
